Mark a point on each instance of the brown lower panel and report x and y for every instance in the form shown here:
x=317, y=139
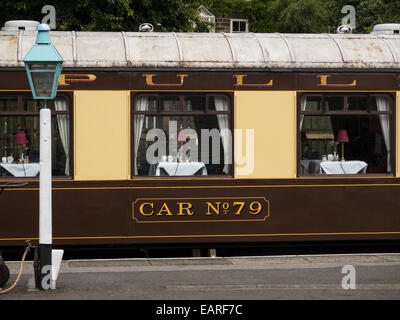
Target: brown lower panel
x=187, y=211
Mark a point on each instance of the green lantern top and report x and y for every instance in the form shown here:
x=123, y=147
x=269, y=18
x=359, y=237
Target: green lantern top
x=43, y=65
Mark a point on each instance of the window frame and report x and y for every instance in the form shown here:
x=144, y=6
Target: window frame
x=21, y=113
x=392, y=116
x=181, y=112
x=239, y=20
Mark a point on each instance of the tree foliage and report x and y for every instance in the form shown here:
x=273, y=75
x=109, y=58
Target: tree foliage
x=301, y=16
x=108, y=15
x=312, y=16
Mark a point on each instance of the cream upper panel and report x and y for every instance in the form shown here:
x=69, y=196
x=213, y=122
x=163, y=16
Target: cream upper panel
x=265, y=134
x=101, y=135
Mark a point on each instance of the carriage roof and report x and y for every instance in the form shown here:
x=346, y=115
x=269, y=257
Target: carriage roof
x=273, y=51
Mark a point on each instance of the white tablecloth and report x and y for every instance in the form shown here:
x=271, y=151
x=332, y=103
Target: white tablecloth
x=22, y=170
x=346, y=167
x=181, y=168
x=310, y=166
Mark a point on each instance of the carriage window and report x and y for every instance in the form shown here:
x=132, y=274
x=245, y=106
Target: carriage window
x=185, y=137
x=151, y=105
x=20, y=133
x=334, y=103
x=313, y=103
x=357, y=102
x=8, y=103
x=169, y=103
x=195, y=103
x=353, y=135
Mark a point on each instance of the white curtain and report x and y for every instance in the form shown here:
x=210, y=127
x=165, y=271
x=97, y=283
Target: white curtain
x=382, y=104
x=221, y=104
x=303, y=105
x=188, y=105
x=60, y=104
x=142, y=104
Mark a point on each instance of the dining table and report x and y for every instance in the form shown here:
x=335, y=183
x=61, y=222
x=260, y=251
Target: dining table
x=343, y=167
x=22, y=169
x=181, y=168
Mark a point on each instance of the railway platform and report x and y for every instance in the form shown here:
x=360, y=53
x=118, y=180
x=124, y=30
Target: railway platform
x=371, y=276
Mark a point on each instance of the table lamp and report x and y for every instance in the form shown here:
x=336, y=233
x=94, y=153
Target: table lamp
x=342, y=137
x=21, y=140
x=181, y=139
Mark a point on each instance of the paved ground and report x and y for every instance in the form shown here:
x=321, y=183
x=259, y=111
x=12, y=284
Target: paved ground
x=314, y=277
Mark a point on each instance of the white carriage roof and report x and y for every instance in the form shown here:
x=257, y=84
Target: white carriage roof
x=210, y=50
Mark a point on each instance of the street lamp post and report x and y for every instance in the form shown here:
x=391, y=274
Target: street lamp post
x=43, y=66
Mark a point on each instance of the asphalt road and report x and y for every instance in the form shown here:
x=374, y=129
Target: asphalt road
x=306, y=277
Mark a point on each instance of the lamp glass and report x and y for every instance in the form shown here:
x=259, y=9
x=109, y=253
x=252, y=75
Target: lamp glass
x=43, y=83
x=42, y=66
x=43, y=78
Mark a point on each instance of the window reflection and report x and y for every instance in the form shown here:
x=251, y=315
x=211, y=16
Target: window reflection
x=20, y=138
x=355, y=140
x=188, y=141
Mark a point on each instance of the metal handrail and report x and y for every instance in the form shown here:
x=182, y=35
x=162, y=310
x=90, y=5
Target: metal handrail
x=11, y=185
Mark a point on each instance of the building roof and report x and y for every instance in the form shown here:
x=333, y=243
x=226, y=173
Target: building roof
x=210, y=50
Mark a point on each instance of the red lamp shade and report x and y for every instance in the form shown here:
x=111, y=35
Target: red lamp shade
x=181, y=136
x=20, y=137
x=342, y=136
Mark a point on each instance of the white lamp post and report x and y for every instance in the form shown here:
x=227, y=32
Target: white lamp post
x=43, y=66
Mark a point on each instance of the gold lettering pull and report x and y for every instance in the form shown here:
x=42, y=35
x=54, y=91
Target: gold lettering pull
x=66, y=78
x=150, y=82
x=324, y=82
x=239, y=82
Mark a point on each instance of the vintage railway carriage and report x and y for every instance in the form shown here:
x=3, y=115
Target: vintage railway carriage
x=291, y=104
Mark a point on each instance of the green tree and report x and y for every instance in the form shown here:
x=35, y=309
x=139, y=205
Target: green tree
x=368, y=13
x=277, y=15
x=393, y=10
x=259, y=17
x=335, y=16
x=307, y=16
x=299, y=16
x=109, y=15
x=256, y=11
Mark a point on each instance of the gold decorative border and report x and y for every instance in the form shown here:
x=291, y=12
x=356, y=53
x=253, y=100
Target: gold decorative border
x=197, y=220
x=209, y=187
x=215, y=235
